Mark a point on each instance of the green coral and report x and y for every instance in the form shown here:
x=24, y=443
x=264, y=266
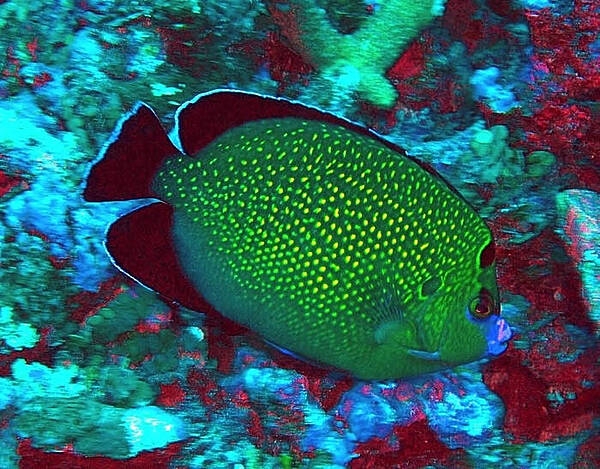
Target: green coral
x=35, y=380
x=513, y=180
x=491, y=146
x=94, y=428
x=81, y=406
x=502, y=162
x=35, y=290
x=159, y=349
x=87, y=424
x=113, y=327
x=121, y=387
x=539, y=163
x=117, y=318
x=366, y=54
x=121, y=315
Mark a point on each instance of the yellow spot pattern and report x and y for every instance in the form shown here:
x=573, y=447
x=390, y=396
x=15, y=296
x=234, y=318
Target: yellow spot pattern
x=315, y=214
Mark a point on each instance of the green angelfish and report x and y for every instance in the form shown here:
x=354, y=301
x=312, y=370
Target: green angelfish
x=312, y=231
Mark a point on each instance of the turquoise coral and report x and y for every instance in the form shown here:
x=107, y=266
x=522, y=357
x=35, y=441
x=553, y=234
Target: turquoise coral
x=16, y=336
x=579, y=224
x=366, y=54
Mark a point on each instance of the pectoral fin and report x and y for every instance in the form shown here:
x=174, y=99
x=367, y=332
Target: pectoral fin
x=399, y=331
x=423, y=355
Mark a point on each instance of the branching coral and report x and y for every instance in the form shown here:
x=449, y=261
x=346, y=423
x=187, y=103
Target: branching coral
x=365, y=54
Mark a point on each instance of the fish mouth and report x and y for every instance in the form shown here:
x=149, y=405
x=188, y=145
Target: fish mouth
x=498, y=333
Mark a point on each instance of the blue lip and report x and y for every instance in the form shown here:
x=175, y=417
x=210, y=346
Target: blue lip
x=498, y=333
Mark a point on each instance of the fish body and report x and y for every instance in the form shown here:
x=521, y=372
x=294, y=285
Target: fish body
x=312, y=231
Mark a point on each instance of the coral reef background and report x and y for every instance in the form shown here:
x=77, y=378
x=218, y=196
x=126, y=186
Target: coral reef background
x=500, y=96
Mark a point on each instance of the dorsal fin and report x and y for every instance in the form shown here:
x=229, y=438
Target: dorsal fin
x=127, y=165
x=139, y=145
x=208, y=115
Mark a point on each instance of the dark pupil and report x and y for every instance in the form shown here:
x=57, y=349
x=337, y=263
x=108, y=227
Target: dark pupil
x=483, y=306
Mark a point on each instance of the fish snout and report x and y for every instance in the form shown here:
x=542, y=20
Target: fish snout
x=498, y=334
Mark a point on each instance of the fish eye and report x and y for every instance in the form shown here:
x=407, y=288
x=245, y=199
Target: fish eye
x=483, y=306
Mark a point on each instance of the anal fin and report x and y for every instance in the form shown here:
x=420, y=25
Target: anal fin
x=140, y=245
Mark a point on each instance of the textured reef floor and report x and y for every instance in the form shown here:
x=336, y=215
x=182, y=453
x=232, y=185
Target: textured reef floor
x=501, y=97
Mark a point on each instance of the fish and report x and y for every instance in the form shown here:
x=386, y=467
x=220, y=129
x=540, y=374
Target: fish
x=314, y=232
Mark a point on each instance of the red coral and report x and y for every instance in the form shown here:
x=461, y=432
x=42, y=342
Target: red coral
x=524, y=396
x=288, y=25
x=213, y=396
x=85, y=304
x=273, y=429
x=562, y=129
x=402, y=391
x=34, y=458
x=32, y=48
x=566, y=79
x=563, y=41
x=220, y=333
x=411, y=63
x=255, y=428
x=328, y=392
x=441, y=93
x=41, y=79
x=12, y=65
x=504, y=9
x=524, y=389
x=417, y=87
x=158, y=321
x=285, y=65
x=541, y=271
x=460, y=22
x=412, y=446
x=588, y=454
x=182, y=45
x=171, y=394
x=7, y=182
